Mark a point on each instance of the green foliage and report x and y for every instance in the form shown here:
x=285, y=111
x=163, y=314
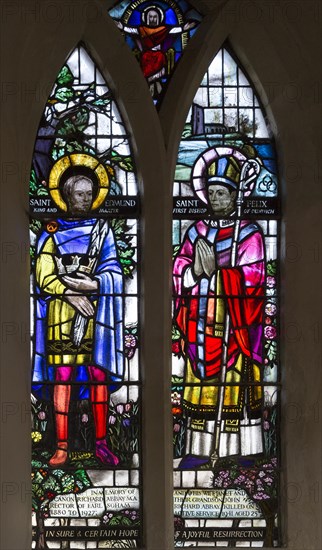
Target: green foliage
x=36, y=188
x=50, y=484
x=83, y=460
x=101, y=102
x=65, y=76
x=35, y=226
x=124, y=430
x=176, y=335
x=179, y=439
x=75, y=123
x=125, y=250
x=33, y=184
x=58, y=150
x=126, y=260
x=124, y=162
x=175, y=250
x=177, y=380
x=72, y=129
x=47, y=483
x=131, y=329
x=271, y=349
x=118, y=226
x=64, y=94
x=75, y=147
x=62, y=148
x=270, y=435
x=120, y=520
x=187, y=131
x=271, y=267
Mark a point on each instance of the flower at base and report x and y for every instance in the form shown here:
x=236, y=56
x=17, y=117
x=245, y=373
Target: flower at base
x=175, y=398
x=111, y=419
x=261, y=496
x=41, y=415
x=130, y=345
x=120, y=408
x=176, y=428
x=270, y=332
x=176, y=347
x=270, y=281
x=84, y=418
x=126, y=422
x=270, y=309
x=36, y=436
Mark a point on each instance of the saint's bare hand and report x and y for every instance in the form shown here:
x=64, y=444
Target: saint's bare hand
x=197, y=265
x=81, y=303
x=207, y=257
x=82, y=283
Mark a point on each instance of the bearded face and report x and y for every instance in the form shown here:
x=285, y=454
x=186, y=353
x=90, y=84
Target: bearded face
x=153, y=18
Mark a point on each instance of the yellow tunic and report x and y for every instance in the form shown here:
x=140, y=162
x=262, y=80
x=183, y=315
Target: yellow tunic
x=60, y=348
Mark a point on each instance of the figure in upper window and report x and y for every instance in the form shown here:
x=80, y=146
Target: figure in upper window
x=155, y=30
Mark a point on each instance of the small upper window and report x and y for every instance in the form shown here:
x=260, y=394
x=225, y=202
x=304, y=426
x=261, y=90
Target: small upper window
x=157, y=33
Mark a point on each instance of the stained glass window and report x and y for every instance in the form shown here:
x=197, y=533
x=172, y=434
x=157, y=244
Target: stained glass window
x=84, y=316
x=157, y=32
x=225, y=384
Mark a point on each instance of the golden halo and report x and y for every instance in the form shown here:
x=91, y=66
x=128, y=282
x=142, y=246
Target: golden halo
x=78, y=160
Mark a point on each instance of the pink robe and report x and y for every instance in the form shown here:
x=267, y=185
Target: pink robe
x=198, y=306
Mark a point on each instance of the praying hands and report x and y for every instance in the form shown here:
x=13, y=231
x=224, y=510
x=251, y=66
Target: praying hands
x=204, y=261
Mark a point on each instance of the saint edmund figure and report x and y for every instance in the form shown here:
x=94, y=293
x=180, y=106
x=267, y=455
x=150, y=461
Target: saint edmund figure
x=79, y=325
x=219, y=282
x=154, y=39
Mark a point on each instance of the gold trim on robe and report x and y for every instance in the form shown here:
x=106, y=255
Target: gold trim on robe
x=200, y=398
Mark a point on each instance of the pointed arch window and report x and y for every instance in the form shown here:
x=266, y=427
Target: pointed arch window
x=226, y=371
x=84, y=209
x=86, y=386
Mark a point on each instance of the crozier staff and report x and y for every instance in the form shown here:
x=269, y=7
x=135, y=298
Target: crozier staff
x=213, y=285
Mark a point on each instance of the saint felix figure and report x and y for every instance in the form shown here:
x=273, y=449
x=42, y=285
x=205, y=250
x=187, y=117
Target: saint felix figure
x=79, y=320
x=219, y=286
